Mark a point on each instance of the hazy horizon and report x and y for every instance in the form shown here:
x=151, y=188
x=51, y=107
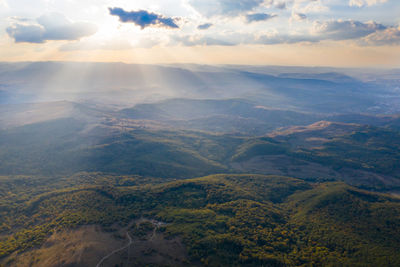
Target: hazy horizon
x=321, y=68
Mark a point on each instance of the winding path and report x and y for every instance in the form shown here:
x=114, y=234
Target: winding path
x=116, y=251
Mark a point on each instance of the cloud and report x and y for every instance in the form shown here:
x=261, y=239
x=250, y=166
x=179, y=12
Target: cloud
x=3, y=3
x=280, y=5
x=368, y=33
x=53, y=26
x=275, y=38
x=361, y=3
x=143, y=18
x=309, y=6
x=204, y=26
x=26, y=33
x=389, y=36
x=224, y=7
x=221, y=39
x=298, y=16
x=345, y=29
x=21, y=19
x=233, y=39
x=259, y=17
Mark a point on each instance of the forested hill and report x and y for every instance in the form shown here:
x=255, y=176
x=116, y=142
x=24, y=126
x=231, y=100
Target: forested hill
x=361, y=155
x=247, y=220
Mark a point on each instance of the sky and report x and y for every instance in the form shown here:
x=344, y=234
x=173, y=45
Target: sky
x=342, y=33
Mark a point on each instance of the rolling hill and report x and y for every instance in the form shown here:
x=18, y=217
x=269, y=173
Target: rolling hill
x=248, y=220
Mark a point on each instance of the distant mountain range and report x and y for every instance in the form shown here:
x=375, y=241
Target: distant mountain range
x=114, y=83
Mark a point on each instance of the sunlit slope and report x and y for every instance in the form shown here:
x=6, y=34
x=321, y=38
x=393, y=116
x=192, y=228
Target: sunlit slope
x=68, y=145
x=231, y=220
x=225, y=116
x=361, y=155
x=242, y=116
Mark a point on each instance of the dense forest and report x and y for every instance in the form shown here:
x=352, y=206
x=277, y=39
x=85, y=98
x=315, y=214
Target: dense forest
x=223, y=219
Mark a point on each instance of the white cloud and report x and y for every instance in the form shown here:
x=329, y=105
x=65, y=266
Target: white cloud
x=52, y=26
x=389, y=36
x=298, y=16
x=361, y=3
x=224, y=7
x=309, y=6
x=3, y=3
x=345, y=29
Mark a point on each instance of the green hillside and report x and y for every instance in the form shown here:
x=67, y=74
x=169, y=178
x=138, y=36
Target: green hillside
x=222, y=219
x=66, y=146
x=364, y=156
